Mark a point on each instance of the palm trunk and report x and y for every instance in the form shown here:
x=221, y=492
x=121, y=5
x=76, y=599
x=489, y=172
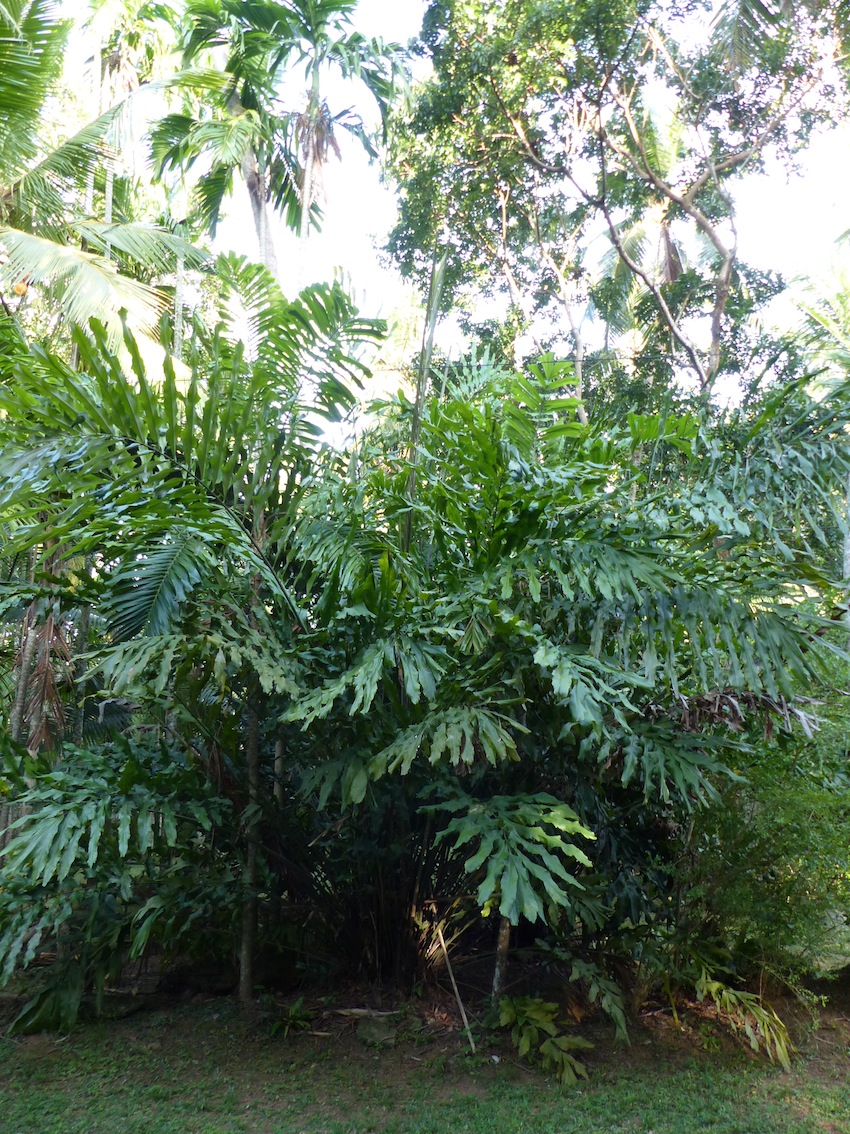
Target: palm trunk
x=255, y=181
x=29, y=644
x=179, y=283
x=248, y=938
x=276, y=902
x=309, y=156
x=307, y=190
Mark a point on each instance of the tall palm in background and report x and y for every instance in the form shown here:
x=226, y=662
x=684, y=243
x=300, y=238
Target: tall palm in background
x=230, y=119
x=323, y=39
x=244, y=126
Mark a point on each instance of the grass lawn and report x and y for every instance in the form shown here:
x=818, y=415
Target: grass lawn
x=205, y=1069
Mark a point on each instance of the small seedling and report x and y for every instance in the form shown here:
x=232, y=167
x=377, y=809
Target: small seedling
x=294, y=1018
x=539, y=1036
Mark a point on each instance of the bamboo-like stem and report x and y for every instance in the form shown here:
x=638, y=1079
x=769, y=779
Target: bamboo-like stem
x=80, y=672
x=454, y=986
x=179, y=287
x=307, y=188
x=248, y=938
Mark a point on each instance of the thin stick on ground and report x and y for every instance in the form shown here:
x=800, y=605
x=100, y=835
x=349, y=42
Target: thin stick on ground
x=457, y=994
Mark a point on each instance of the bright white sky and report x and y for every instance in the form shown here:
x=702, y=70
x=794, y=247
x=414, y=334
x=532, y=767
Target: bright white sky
x=786, y=222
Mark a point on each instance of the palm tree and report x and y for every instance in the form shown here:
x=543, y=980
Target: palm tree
x=244, y=128
x=230, y=117
x=45, y=237
x=322, y=37
x=217, y=460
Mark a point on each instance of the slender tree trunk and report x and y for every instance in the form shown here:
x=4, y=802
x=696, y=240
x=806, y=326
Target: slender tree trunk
x=847, y=550
x=578, y=361
x=309, y=141
x=502, y=945
x=80, y=672
x=255, y=180
x=307, y=191
x=107, y=202
x=29, y=643
x=275, y=904
x=279, y=766
x=248, y=938
x=435, y=290
x=179, y=284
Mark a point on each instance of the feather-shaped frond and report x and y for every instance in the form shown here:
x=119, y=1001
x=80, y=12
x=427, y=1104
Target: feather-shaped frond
x=146, y=593
x=741, y=27
x=88, y=285
x=148, y=244
x=210, y=193
x=32, y=43
x=313, y=341
x=41, y=191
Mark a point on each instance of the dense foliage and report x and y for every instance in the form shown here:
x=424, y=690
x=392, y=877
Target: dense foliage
x=488, y=668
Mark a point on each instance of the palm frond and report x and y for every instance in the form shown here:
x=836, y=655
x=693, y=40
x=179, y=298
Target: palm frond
x=88, y=285
x=148, y=244
x=210, y=193
x=32, y=43
x=741, y=27
x=145, y=594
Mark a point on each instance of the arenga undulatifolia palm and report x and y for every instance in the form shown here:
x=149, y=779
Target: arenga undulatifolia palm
x=540, y=660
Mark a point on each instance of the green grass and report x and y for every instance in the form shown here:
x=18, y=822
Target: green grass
x=205, y=1070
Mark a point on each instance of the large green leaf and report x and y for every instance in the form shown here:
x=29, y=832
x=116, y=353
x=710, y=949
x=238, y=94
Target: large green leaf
x=145, y=594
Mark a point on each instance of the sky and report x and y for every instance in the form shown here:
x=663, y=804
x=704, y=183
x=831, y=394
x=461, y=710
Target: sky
x=786, y=221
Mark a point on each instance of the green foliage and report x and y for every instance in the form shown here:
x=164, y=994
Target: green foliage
x=145, y=1075
x=747, y=1013
x=231, y=117
x=539, y=1036
x=538, y=125
x=520, y=841
x=566, y=638
x=110, y=853
x=294, y=1018
x=486, y=640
